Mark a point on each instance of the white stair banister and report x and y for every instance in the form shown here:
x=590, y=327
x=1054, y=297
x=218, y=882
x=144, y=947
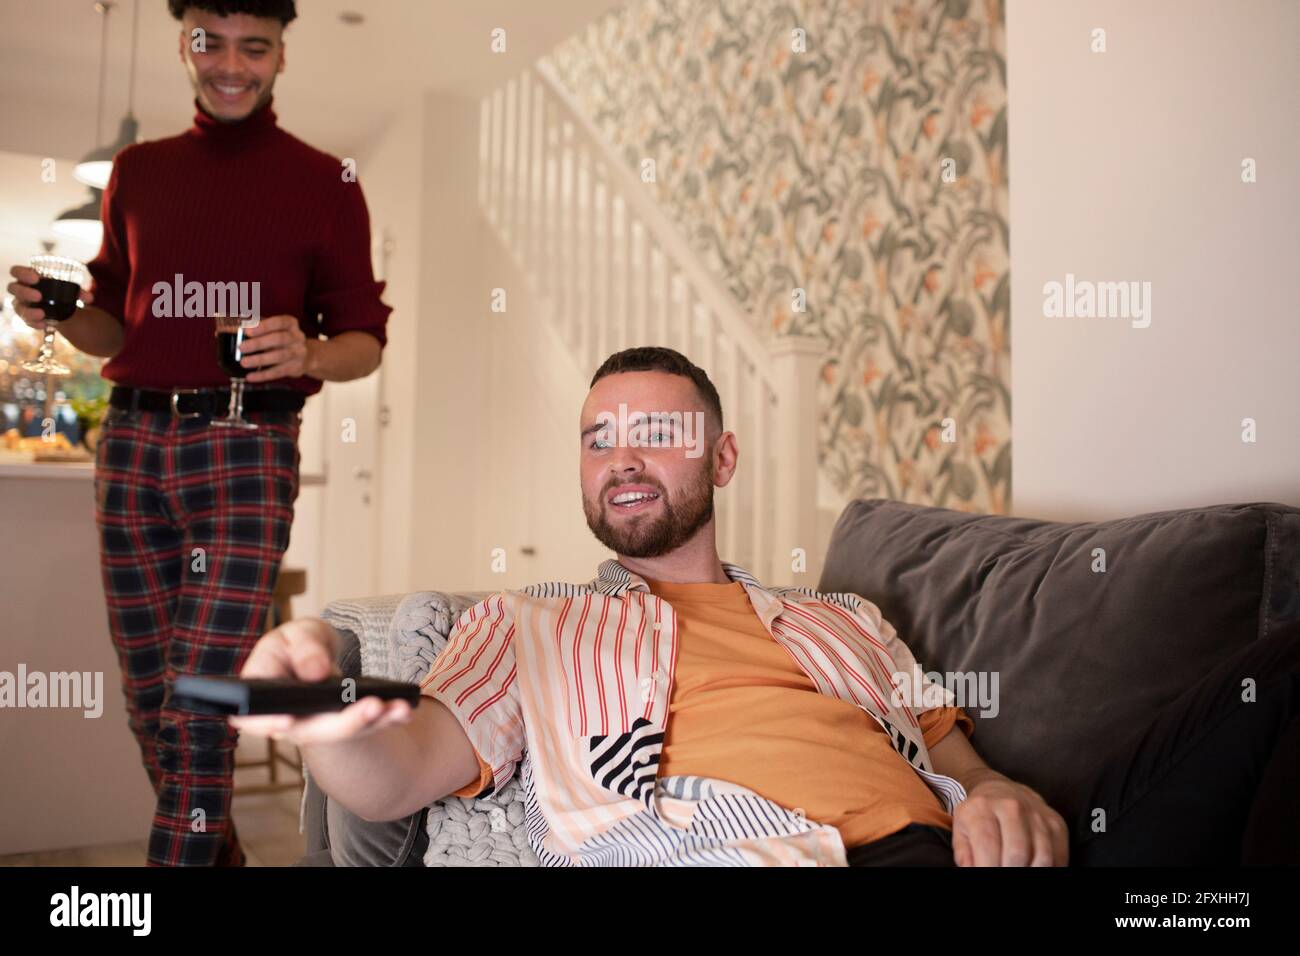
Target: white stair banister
x=609, y=269
x=797, y=362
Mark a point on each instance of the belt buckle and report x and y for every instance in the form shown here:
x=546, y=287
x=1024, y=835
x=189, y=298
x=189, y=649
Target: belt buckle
x=176, y=394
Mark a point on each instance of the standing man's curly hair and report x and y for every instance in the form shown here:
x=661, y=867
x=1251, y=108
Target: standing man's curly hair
x=282, y=10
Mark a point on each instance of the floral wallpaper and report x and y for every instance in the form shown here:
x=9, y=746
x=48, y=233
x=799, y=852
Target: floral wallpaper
x=862, y=161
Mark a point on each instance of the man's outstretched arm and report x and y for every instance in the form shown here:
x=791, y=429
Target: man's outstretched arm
x=380, y=759
x=1001, y=822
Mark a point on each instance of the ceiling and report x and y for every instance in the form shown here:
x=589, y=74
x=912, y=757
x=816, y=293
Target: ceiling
x=341, y=83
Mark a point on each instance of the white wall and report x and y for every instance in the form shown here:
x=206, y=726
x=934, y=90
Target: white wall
x=451, y=429
x=1126, y=165
x=530, y=496
x=390, y=172
x=496, y=450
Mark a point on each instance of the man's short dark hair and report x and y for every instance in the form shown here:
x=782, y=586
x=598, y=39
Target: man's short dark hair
x=655, y=358
x=282, y=10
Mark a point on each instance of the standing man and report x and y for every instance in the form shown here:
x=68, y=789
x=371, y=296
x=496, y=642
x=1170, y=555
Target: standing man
x=194, y=519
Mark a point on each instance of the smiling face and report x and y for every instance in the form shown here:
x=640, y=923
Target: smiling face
x=648, y=499
x=235, y=72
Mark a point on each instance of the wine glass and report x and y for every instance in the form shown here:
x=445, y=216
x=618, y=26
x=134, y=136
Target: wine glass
x=230, y=349
x=61, y=281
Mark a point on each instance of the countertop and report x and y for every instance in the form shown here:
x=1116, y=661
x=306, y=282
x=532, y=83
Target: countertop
x=85, y=471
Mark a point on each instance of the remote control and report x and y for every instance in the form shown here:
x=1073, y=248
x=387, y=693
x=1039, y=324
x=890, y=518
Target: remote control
x=234, y=695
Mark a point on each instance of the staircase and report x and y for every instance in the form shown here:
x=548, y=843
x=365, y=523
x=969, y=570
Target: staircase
x=612, y=271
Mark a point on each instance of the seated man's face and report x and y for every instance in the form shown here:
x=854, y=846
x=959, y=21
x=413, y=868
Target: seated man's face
x=665, y=464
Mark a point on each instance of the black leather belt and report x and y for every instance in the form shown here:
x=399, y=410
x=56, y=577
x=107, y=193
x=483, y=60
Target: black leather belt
x=194, y=402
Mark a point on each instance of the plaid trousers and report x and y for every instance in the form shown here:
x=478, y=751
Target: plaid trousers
x=193, y=522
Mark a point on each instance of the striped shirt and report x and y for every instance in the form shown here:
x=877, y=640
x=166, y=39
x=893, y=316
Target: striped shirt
x=569, y=685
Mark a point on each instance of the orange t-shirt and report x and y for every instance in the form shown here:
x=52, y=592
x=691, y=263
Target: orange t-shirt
x=742, y=710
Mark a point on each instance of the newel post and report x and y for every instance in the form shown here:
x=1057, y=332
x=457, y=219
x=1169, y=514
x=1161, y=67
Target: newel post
x=796, y=366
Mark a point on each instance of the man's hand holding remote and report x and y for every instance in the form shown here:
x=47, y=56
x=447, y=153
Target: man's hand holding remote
x=305, y=649
x=381, y=760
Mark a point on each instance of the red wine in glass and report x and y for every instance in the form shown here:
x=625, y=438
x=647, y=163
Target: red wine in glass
x=230, y=347
x=59, y=281
x=58, y=298
x=229, y=332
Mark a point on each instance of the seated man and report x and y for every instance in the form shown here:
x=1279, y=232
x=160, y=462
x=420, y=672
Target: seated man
x=673, y=710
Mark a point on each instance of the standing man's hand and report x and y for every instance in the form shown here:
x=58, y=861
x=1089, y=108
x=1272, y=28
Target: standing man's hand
x=276, y=347
x=1003, y=823
x=25, y=292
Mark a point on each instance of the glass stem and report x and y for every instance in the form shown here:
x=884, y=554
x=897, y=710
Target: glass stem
x=47, y=345
x=236, y=398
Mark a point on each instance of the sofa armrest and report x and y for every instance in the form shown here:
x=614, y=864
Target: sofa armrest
x=369, y=620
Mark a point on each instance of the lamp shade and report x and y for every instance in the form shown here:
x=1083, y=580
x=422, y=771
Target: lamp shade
x=97, y=165
x=81, y=223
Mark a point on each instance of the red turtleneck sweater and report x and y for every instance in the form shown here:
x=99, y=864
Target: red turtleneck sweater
x=230, y=202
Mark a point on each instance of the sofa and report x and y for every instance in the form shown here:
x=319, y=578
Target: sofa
x=1090, y=626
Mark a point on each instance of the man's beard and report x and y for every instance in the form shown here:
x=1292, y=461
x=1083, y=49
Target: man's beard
x=653, y=537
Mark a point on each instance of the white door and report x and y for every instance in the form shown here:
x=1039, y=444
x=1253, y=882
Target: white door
x=348, y=512
x=350, y=509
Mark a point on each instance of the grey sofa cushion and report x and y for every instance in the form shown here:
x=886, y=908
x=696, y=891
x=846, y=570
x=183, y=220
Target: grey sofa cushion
x=1082, y=657
x=316, y=858
x=358, y=842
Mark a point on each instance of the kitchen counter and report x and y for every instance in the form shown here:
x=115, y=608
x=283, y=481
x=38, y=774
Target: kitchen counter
x=68, y=780
x=76, y=470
